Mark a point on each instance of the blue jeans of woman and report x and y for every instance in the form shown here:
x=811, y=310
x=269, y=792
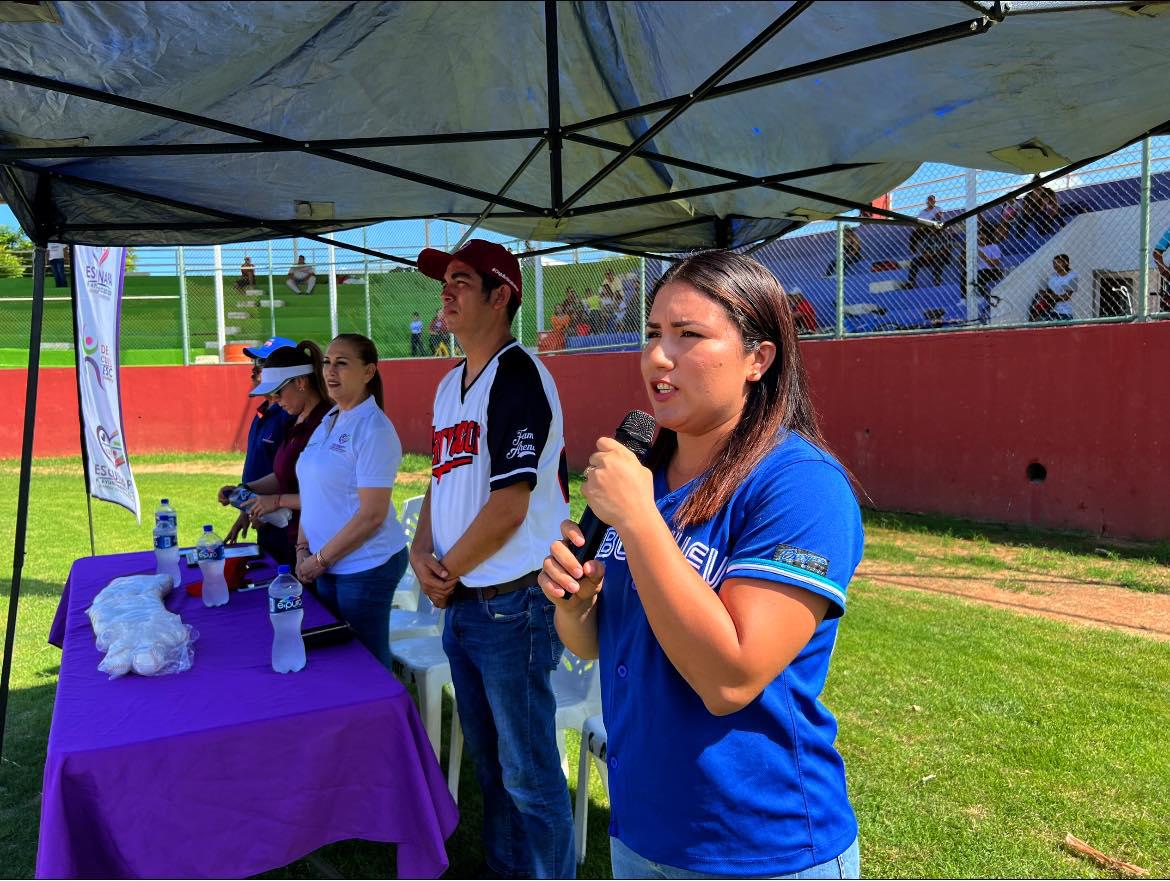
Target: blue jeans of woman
x=362, y=600
x=627, y=864
x=502, y=651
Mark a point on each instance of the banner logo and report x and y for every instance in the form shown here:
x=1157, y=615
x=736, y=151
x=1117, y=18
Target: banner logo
x=111, y=446
x=99, y=273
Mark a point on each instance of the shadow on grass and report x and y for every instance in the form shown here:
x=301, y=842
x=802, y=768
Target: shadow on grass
x=1021, y=536
x=30, y=711
x=367, y=859
x=31, y=587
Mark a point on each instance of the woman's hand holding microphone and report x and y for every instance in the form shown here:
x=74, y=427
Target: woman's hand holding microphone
x=620, y=491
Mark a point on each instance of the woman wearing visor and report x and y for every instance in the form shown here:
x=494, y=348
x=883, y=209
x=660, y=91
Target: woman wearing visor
x=291, y=378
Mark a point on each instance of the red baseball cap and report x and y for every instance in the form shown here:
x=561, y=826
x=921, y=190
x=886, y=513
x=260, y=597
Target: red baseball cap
x=480, y=254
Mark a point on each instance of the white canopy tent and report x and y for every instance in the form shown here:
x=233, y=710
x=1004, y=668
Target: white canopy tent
x=636, y=127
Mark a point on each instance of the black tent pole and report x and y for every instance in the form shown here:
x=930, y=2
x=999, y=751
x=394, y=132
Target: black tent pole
x=26, y=452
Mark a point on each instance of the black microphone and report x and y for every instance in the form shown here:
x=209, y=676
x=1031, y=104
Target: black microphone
x=636, y=433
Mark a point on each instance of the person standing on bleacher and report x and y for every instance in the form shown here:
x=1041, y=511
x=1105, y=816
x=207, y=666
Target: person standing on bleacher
x=498, y=493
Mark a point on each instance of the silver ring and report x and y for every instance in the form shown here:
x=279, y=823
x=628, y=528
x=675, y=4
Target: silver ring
x=589, y=469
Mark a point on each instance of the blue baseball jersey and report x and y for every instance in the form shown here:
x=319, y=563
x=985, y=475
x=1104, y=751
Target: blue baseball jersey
x=760, y=791
x=1164, y=242
x=264, y=436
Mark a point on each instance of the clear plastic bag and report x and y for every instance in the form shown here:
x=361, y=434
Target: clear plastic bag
x=136, y=632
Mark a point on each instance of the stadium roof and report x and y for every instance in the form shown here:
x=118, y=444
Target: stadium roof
x=648, y=126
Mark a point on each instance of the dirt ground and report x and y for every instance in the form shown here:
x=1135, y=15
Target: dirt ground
x=1118, y=608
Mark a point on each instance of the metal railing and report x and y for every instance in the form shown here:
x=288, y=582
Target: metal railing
x=999, y=268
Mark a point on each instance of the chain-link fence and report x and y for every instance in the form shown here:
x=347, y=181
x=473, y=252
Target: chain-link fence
x=307, y=290
x=1086, y=247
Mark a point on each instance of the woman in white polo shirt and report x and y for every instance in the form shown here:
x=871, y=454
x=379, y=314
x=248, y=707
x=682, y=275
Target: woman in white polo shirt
x=350, y=541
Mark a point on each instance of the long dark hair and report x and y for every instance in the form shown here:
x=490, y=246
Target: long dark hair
x=317, y=359
x=777, y=403
x=368, y=353
x=305, y=353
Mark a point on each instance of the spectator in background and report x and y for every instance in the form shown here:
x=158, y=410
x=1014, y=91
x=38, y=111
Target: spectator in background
x=1053, y=302
x=437, y=333
x=988, y=274
x=804, y=315
x=851, y=251
x=416, y=342
x=629, y=321
x=608, y=302
x=1039, y=210
x=929, y=247
x=301, y=273
x=57, y=263
x=571, y=312
x=247, y=277
x=1163, y=270
x=265, y=435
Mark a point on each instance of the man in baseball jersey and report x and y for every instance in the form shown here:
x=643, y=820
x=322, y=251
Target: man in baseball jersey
x=498, y=493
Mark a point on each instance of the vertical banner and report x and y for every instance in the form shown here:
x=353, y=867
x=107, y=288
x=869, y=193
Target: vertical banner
x=99, y=273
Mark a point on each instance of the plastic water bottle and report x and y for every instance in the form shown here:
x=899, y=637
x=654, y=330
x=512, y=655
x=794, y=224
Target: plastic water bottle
x=209, y=553
x=278, y=518
x=285, y=611
x=166, y=541
x=166, y=553
x=164, y=513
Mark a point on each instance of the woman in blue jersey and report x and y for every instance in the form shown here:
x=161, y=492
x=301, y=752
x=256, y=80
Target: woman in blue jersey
x=714, y=598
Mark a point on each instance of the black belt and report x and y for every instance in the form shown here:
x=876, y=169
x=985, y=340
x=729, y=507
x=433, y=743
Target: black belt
x=463, y=591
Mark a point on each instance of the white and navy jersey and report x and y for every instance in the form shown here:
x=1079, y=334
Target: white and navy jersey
x=504, y=428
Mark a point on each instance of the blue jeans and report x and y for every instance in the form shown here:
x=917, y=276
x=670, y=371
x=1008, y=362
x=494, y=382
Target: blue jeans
x=502, y=651
x=627, y=864
x=362, y=600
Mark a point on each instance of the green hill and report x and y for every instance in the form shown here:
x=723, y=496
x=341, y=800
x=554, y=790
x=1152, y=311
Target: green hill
x=152, y=329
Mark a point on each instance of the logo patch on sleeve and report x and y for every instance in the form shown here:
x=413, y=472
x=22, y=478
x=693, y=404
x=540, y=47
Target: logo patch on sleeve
x=801, y=559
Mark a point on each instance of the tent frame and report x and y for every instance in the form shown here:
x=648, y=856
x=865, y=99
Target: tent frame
x=47, y=227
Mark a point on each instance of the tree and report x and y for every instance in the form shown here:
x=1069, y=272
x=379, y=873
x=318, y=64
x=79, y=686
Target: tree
x=15, y=252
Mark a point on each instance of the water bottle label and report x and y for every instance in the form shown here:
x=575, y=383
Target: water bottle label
x=284, y=604
x=170, y=520
x=164, y=541
x=209, y=553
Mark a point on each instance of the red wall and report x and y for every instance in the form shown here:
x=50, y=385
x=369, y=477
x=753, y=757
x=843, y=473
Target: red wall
x=944, y=423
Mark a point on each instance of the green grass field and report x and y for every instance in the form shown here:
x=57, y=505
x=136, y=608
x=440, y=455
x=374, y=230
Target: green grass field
x=152, y=329
x=974, y=738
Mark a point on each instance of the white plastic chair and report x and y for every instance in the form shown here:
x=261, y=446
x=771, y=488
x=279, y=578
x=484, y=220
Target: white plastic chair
x=406, y=596
x=593, y=742
x=577, y=686
x=422, y=662
x=426, y=620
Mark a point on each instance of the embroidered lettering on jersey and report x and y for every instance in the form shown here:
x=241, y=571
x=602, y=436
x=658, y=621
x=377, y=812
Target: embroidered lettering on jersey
x=523, y=444
x=454, y=447
x=611, y=546
x=801, y=559
x=703, y=558
x=341, y=444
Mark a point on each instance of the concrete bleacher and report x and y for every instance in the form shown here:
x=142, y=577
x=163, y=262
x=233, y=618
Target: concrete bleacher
x=877, y=299
x=619, y=342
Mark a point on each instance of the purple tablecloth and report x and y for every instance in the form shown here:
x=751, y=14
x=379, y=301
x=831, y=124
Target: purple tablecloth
x=230, y=769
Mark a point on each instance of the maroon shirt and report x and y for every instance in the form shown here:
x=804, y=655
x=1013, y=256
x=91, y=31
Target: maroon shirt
x=284, y=465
